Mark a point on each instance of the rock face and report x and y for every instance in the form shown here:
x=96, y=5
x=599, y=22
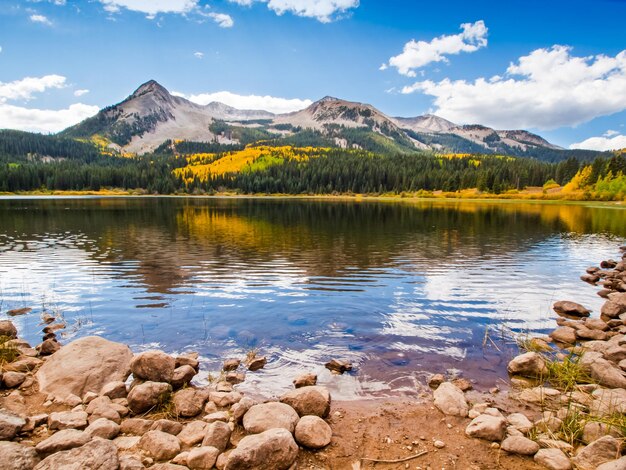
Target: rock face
x=450, y=400
x=265, y=416
x=84, y=365
x=160, y=445
x=529, y=364
x=553, y=459
x=153, y=366
x=98, y=454
x=312, y=400
x=148, y=395
x=313, y=432
x=490, y=428
x=600, y=451
x=573, y=309
x=14, y=456
x=10, y=425
x=520, y=445
x=270, y=450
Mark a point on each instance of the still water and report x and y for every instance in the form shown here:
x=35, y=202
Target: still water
x=398, y=289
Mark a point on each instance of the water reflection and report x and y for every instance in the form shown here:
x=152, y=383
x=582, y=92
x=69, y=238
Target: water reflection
x=397, y=288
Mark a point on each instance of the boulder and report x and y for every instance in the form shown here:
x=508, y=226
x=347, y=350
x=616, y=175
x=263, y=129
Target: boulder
x=148, y=395
x=217, y=436
x=602, y=371
x=274, y=449
x=189, y=402
x=564, y=334
x=153, y=366
x=313, y=400
x=98, y=454
x=63, y=440
x=589, y=334
x=490, y=428
x=305, y=380
x=114, y=390
x=10, y=425
x=202, y=458
x=553, y=459
x=14, y=456
x=572, y=309
x=313, y=432
x=7, y=329
x=160, y=445
x=182, y=376
x=450, y=400
x=519, y=445
x=136, y=426
x=188, y=359
x=103, y=428
x=600, y=451
x=260, y=418
x=192, y=433
x=67, y=420
x=84, y=365
x=529, y=364
x=13, y=379
x=607, y=402
x=596, y=324
x=48, y=347
x=594, y=430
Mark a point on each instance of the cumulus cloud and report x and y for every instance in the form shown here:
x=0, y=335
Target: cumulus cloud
x=223, y=20
x=547, y=89
x=25, y=88
x=615, y=142
x=80, y=92
x=151, y=7
x=44, y=120
x=265, y=103
x=36, y=18
x=417, y=54
x=324, y=11
x=198, y=55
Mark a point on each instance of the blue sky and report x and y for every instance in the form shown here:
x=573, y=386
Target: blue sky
x=557, y=68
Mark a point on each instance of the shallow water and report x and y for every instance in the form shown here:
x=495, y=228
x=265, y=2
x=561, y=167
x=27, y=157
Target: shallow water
x=399, y=289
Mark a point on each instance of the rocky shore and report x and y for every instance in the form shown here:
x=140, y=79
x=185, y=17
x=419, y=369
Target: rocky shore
x=93, y=404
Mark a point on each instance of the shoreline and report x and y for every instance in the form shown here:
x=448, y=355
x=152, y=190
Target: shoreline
x=74, y=402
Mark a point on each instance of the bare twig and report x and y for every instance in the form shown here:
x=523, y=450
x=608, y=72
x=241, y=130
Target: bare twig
x=363, y=459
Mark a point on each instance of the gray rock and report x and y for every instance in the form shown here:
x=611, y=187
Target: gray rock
x=519, y=445
x=490, y=428
x=202, y=458
x=10, y=425
x=14, y=456
x=529, y=364
x=153, y=366
x=553, y=459
x=313, y=432
x=148, y=395
x=103, y=428
x=600, y=451
x=217, y=436
x=160, y=445
x=271, y=415
x=312, y=400
x=67, y=420
x=98, y=454
x=84, y=365
x=63, y=440
x=274, y=449
x=450, y=400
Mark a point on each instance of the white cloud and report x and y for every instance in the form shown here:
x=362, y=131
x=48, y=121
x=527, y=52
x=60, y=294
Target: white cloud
x=151, y=7
x=322, y=10
x=80, y=92
x=383, y=67
x=547, y=89
x=198, y=55
x=417, y=54
x=610, y=133
x=44, y=120
x=25, y=88
x=35, y=18
x=223, y=20
x=265, y=103
x=615, y=142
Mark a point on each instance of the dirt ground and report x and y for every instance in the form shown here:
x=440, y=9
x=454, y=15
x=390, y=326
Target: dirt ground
x=398, y=428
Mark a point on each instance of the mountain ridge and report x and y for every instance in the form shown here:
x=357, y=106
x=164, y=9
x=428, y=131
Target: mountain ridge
x=152, y=115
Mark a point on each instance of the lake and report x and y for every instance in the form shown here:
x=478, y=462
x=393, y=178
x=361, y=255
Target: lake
x=400, y=289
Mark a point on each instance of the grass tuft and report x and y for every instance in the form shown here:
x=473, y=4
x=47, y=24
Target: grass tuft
x=8, y=352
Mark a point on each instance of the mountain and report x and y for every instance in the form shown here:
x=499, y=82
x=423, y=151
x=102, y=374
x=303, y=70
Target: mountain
x=151, y=116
